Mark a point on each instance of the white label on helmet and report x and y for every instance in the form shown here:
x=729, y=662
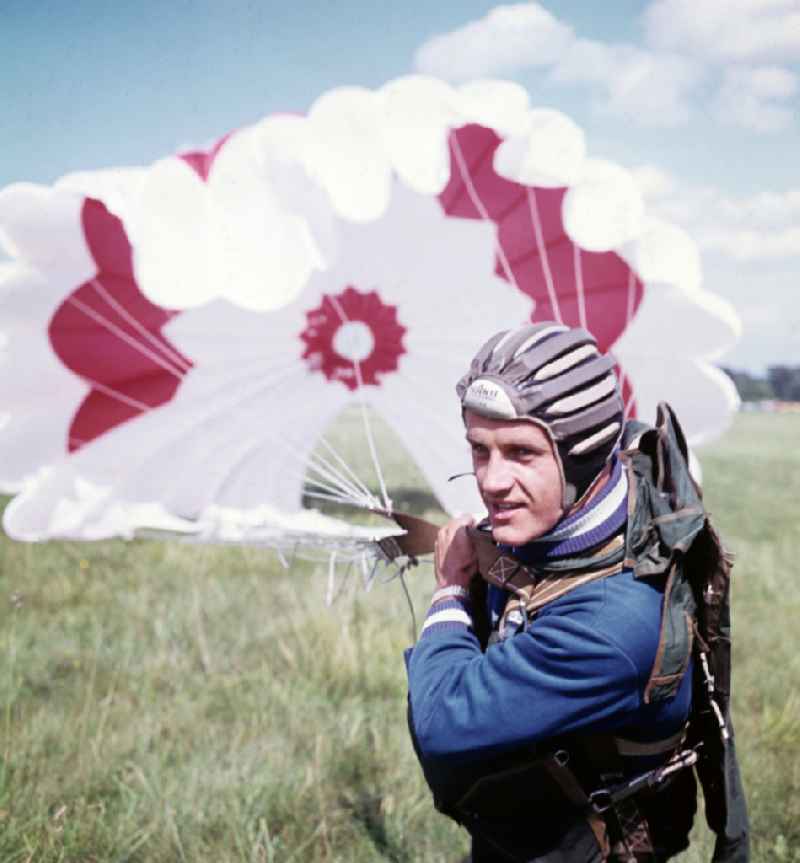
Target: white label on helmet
x=489, y=399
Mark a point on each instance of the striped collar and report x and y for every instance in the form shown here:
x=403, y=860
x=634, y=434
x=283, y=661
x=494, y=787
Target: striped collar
x=596, y=522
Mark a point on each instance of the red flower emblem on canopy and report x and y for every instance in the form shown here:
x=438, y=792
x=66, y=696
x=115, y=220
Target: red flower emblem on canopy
x=352, y=334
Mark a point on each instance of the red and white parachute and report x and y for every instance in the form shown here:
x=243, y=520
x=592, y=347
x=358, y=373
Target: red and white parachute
x=175, y=339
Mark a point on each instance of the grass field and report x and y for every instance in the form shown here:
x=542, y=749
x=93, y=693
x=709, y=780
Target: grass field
x=163, y=702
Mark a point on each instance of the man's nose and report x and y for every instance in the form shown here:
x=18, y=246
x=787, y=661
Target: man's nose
x=497, y=476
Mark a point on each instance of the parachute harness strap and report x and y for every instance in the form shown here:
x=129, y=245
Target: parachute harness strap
x=710, y=683
x=603, y=799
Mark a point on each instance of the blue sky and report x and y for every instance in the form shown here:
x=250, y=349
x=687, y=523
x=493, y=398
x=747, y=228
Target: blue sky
x=702, y=105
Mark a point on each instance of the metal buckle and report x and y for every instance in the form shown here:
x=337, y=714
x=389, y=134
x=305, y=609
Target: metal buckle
x=601, y=800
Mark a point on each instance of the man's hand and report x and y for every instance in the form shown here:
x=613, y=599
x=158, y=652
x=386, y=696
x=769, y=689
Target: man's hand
x=455, y=561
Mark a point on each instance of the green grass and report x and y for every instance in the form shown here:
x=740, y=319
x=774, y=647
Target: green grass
x=164, y=702
x=752, y=487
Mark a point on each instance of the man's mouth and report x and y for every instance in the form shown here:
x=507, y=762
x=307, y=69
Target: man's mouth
x=502, y=510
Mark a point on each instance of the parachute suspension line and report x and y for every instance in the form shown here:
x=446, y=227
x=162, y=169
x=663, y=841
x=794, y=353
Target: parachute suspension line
x=629, y=403
x=332, y=486
x=628, y=318
x=352, y=485
x=332, y=593
x=622, y=377
x=387, y=501
x=370, y=576
x=341, y=483
x=576, y=258
x=631, y=296
x=340, y=489
x=125, y=337
x=293, y=557
x=331, y=579
x=330, y=482
x=327, y=493
x=344, y=495
x=325, y=475
x=366, y=501
x=536, y=221
x=343, y=581
x=158, y=344
x=480, y=206
x=402, y=576
x=348, y=470
x=116, y=394
x=317, y=495
x=367, y=571
x=628, y=408
x=399, y=574
x=358, y=494
x=365, y=414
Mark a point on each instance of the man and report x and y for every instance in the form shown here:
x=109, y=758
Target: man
x=539, y=706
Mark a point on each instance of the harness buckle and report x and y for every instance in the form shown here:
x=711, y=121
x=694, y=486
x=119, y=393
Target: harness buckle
x=601, y=800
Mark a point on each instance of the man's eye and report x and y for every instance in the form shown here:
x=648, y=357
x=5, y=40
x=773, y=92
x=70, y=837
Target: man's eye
x=523, y=452
x=478, y=451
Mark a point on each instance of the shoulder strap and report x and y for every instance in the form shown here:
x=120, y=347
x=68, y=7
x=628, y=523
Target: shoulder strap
x=531, y=589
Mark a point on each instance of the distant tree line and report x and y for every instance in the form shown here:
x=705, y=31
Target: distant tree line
x=781, y=383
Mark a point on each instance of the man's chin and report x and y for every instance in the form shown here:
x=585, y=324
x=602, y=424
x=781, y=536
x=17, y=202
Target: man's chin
x=507, y=534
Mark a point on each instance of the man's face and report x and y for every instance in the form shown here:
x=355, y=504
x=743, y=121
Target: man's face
x=518, y=477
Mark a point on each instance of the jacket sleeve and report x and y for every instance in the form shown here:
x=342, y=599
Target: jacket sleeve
x=560, y=676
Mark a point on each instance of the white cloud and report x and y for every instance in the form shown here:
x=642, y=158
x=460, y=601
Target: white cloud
x=644, y=86
x=756, y=98
x=765, y=296
x=721, y=30
x=752, y=245
x=508, y=38
x=653, y=182
x=759, y=36
x=765, y=209
x=687, y=46
x=751, y=228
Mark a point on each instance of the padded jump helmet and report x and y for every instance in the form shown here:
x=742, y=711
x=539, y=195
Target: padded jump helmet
x=555, y=377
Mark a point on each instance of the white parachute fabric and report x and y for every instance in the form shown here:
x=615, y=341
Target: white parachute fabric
x=176, y=339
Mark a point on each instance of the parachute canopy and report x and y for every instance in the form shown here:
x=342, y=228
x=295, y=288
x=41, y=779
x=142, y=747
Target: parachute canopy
x=175, y=339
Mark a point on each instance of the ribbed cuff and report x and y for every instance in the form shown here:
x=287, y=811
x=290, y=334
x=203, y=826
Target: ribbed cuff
x=451, y=591
x=448, y=616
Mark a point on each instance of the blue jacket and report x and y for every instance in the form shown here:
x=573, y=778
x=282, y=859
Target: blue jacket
x=581, y=666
